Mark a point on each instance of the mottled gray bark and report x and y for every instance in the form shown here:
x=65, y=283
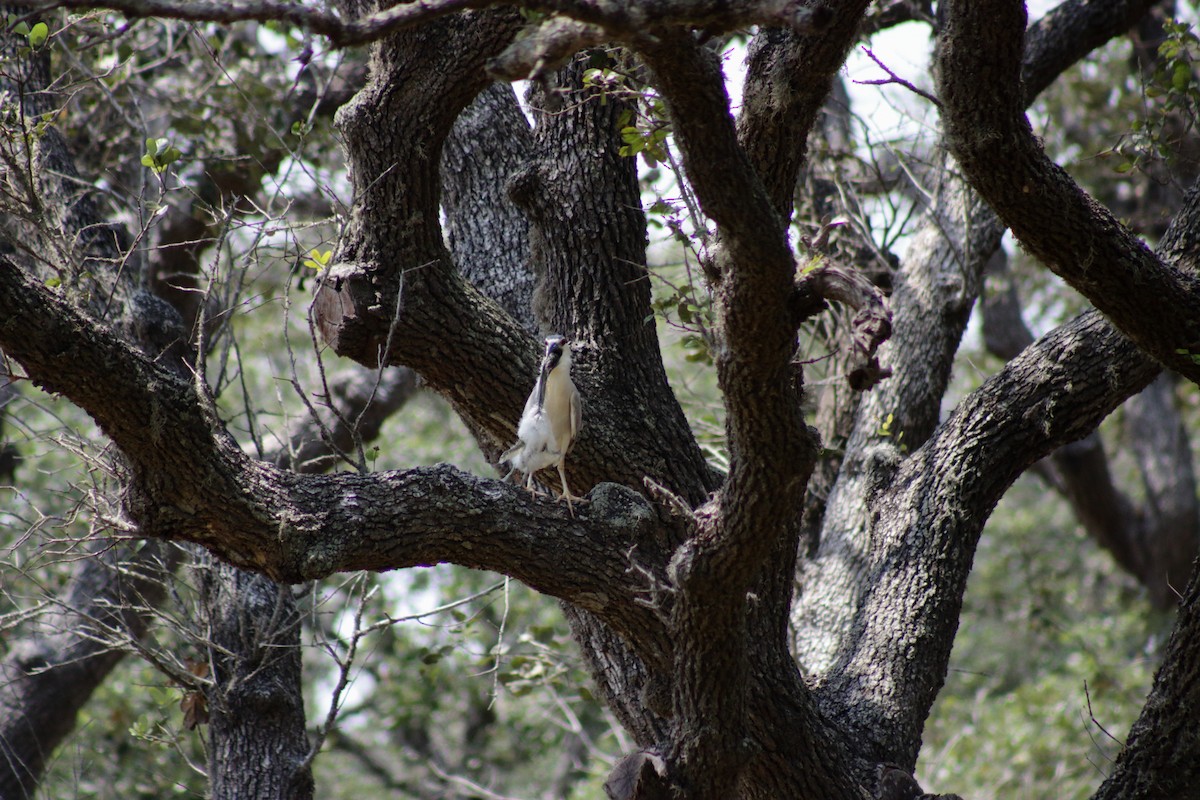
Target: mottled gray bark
x=258, y=746
x=487, y=235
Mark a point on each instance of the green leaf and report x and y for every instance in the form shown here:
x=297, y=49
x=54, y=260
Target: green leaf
x=160, y=153
x=1181, y=77
x=318, y=260
x=38, y=35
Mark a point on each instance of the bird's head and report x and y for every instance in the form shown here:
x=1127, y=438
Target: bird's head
x=558, y=353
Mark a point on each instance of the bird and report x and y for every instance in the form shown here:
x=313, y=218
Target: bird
x=550, y=422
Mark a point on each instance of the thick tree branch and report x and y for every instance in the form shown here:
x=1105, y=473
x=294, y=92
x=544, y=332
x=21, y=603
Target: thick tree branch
x=625, y=19
x=748, y=536
x=931, y=304
x=1154, y=540
x=1068, y=32
x=256, y=711
x=1053, y=393
x=978, y=71
x=396, y=289
x=298, y=527
x=934, y=504
x=788, y=76
x=485, y=231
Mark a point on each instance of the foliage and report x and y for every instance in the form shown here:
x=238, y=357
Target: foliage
x=1055, y=655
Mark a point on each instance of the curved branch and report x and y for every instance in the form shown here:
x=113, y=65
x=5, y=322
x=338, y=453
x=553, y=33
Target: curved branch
x=927, y=512
x=1056, y=391
x=1154, y=540
x=1070, y=31
x=341, y=32
x=934, y=291
x=978, y=70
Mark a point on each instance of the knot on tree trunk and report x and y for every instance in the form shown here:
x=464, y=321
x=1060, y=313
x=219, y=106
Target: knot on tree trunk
x=350, y=314
x=896, y=784
x=638, y=776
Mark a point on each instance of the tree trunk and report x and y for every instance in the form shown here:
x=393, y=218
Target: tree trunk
x=257, y=742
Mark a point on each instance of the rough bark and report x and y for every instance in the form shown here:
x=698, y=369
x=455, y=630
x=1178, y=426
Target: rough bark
x=979, y=80
x=886, y=692
x=588, y=245
x=788, y=76
x=1070, y=31
x=1160, y=755
x=487, y=235
x=257, y=741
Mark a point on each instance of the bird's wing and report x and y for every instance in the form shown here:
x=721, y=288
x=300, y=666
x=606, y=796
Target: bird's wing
x=511, y=452
x=576, y=416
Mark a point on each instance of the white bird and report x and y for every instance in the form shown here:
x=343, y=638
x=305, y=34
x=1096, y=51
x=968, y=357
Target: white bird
x=551, y=420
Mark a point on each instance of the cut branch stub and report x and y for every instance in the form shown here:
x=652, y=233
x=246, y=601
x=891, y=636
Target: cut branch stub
x=344, y=292
x=637, y=776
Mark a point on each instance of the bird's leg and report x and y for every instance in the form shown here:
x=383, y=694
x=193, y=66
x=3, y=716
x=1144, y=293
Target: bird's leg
x=529, y=479
x=566, y=491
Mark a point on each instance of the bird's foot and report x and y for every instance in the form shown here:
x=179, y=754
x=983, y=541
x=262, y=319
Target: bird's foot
x=571, y=500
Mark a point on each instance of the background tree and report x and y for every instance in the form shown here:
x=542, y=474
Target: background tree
x=776, y=622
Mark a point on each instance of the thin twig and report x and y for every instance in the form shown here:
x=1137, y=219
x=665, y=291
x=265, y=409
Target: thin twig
x=894, y=78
